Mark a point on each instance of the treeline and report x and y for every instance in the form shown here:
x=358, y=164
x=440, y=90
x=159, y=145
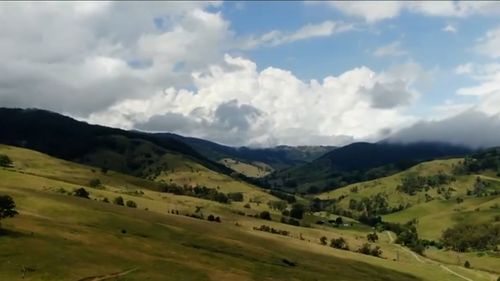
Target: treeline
x=412, y=183
x=467, y=237
x=482, y=188
x=488, y=159
x=202, y=192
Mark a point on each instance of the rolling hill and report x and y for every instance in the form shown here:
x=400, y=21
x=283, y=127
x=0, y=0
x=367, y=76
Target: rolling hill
x=278, y=157
x=108, y=148
x=59, y=236
x=358, y=162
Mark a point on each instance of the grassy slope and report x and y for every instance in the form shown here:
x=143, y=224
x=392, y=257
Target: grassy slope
x=433, y=216
x=437, y=215
x=254, y=170
x=85, y=236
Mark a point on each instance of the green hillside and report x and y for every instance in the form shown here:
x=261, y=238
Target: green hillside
x=58, y=236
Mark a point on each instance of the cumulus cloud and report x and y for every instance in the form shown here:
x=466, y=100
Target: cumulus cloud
x=489, y=44
x=236, y=104
x=382, y=10
x=276, y=37
x=79, y=57
x=450, y=28
x=393, y=49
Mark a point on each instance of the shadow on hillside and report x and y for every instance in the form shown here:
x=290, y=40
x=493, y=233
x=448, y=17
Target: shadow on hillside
x=13, y=233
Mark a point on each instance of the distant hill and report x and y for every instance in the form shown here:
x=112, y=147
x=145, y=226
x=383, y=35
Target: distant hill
x=134, y=153
x=278, y=157
x=359, y=162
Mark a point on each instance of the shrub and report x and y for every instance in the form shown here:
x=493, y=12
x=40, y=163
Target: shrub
x=217, y=219
x=265, y=215
x=323, y=240
x=95, y=183
x=118, y=201
x=467, y=264
x=372, y=237
x=5, y=161
x=81, y=192
x=235, y=196
x=131, y=204
x=105, y=200
x=247, y=205
x=339, y=243
x=210, y=218
x=366, y=249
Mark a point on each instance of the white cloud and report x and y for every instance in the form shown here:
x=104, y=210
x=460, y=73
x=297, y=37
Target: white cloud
x=373, y=12
x=276, y=37
x=450, y=28
x=471, y=128
x=466, y=68
x=81, y=57
x=393, y=49
x=273, y=106
x=489, y=44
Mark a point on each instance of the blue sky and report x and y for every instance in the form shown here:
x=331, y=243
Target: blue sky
x=422, y=37
x=259, y=73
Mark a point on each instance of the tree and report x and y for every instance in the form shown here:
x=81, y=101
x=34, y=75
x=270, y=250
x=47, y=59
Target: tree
x=5, y=161
x=131, y=204
x=118, y=201
x=265, y=215
x=323, y=240
x=7, y=207
x=372, y=237
x=81, y=192
x=297, y=211
x=235, y=196
x=339, y=243
x=95, y=183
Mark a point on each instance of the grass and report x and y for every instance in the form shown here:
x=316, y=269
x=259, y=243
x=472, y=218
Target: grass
x=254, y=170
x=63, y=237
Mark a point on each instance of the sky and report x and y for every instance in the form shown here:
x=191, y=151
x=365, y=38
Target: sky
x=261, y=73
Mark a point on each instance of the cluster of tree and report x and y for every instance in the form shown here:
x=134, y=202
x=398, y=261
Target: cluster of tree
x=367, y=249
x=318, y=205
x=466, y=237
x=82, y=193
x=279, y=205
x=129, y=203
x=412, y=183
x=407, y=235
x=95, y=183
x=213, y=218
x=488, y=159
x=265, y=215
x=269, y=229
x=7, y=207
x=373, y=206
x=481, y=188
x=197, y=191
x=290, y=221
x=372, y=237
x=235, y=196
x=290, y=198
x=339, y=243
x=5, y=161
